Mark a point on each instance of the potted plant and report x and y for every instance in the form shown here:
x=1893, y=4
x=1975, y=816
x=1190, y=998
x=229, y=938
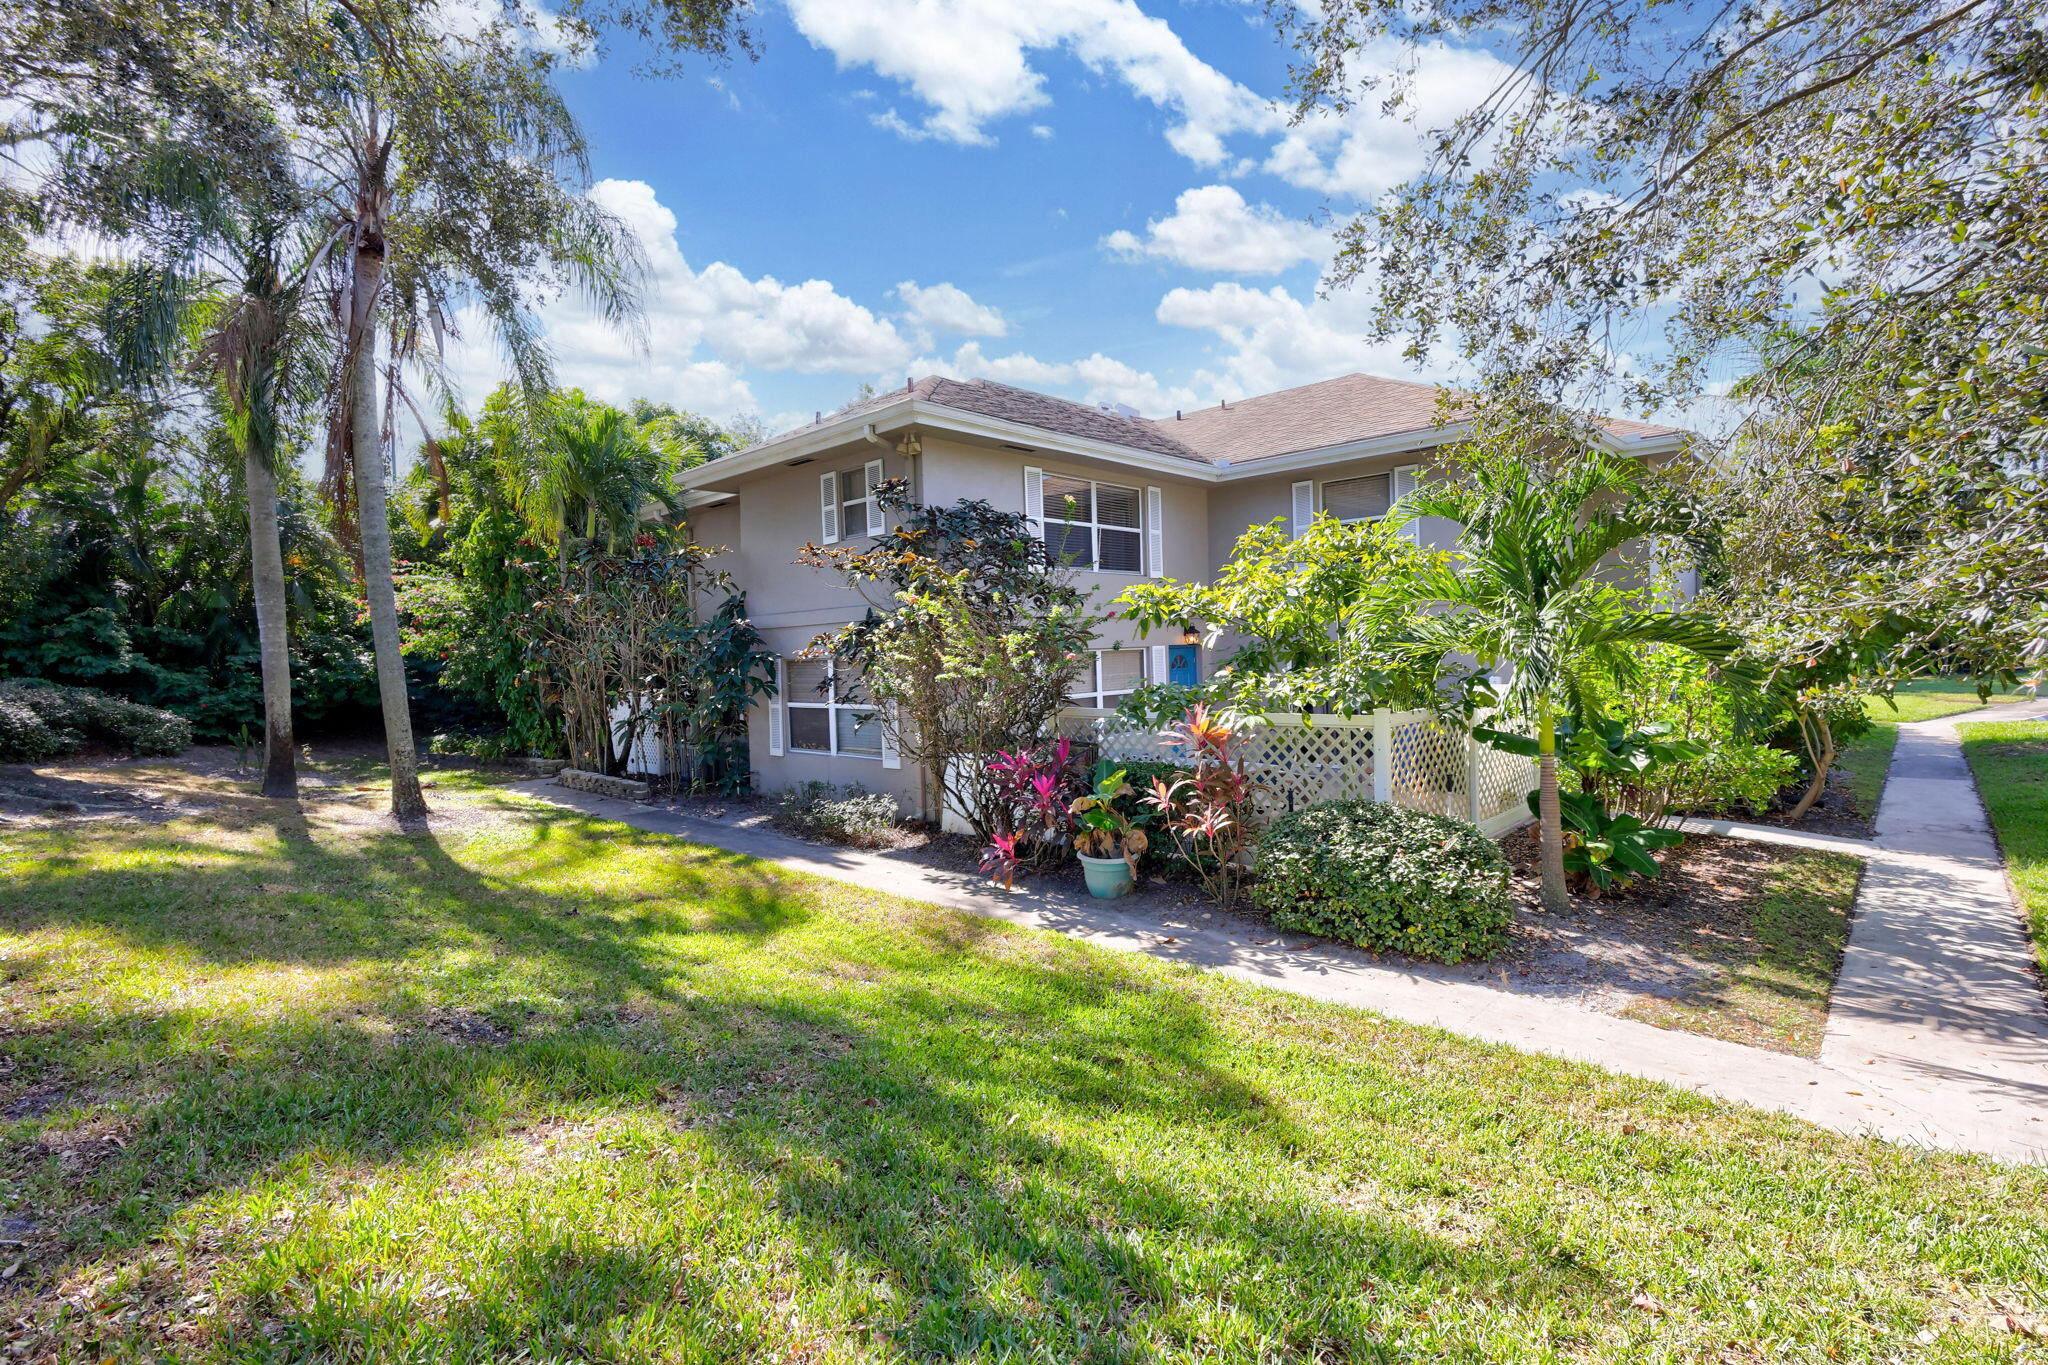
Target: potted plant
x=1107, y=839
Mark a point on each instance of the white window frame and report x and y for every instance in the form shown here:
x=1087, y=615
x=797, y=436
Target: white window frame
x=1307, y=499
x=1096, y=527
x=1323, y=495
x=1093, y=697
x=843, y=518
x=830, y=704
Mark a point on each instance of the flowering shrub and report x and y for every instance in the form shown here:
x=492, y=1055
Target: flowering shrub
x=1206, y=811
x=1386, y=878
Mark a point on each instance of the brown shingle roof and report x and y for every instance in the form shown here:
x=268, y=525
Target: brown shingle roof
x=1352, y=407
x=1027, y=408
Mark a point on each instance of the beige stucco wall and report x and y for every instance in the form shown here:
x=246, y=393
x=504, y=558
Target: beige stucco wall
x=775, y=512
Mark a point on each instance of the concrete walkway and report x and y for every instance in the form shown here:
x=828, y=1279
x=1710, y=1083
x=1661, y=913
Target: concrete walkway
x=1973, y=1105
x=1938, y=1002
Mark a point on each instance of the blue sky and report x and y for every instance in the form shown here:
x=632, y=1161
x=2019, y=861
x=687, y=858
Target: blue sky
x=1099, y=198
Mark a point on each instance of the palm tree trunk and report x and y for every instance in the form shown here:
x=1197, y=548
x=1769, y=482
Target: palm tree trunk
x=367, y=459
x=1549, y=819
x=266, y=573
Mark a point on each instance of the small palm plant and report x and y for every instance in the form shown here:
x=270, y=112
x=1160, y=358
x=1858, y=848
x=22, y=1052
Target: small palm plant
x=1526, y=591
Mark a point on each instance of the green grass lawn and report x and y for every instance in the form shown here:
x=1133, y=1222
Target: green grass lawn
x=537, y=1086
x=1866, y=759
x=2010, y=762
x=1773, y=991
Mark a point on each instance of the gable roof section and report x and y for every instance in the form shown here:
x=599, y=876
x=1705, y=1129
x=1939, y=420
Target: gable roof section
x=1059, y=416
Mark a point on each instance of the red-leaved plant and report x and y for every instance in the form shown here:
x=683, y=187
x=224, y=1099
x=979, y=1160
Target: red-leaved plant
x=1206, y=812
x=1039, y=785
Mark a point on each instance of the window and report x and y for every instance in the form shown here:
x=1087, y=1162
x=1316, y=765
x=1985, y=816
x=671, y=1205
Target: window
x=846, y=503
x=1362, y=499
x=1093, y=525
x=1108, y=678
x=853, y=501
x=829, y=713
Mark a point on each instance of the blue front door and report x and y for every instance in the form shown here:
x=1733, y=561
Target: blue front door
x=1181, y=666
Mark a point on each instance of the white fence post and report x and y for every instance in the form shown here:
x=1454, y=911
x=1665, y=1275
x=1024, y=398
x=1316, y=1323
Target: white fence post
x=1471, y=778
x=1383, y=755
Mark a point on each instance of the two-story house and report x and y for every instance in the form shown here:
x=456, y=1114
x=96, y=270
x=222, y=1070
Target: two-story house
x=1125, y=497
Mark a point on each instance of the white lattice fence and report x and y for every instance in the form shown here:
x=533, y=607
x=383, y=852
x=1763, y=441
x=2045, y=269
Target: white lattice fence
x=1301, y=760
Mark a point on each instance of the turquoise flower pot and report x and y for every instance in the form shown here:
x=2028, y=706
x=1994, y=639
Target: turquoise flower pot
x=1108, y=878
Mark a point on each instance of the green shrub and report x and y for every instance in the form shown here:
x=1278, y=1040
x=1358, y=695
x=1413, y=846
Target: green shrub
x=1386, y=878
x=842, y=815
x=41, y=720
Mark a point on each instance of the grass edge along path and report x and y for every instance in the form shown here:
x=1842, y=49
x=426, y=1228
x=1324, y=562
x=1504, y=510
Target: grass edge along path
x=2009, y=759
x=536, y=1082
x=1865, y=760
x=1772, y=992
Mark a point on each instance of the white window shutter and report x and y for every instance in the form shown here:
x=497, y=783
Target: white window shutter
x=1159, y=666
x=891, y=756
x=828, y=507
x=1404, y=484
x=1155, y=532
x=1034, y=494
x=775, y=744
x=874, y=477
x=1304, y=507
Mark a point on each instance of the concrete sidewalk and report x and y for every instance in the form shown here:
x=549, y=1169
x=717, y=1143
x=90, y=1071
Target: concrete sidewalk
x=1938, y=1002
x=1843, y=1092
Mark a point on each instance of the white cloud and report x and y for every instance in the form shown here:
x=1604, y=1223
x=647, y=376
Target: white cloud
x=970, y=62
x=1213, y=228
x=1368, y=151
x=949, y=308
x=702, y=328
x=1041, y=130
x=1275, y=341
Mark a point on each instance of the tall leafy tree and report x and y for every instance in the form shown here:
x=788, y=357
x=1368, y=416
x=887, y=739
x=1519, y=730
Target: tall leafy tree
x=1853, y=191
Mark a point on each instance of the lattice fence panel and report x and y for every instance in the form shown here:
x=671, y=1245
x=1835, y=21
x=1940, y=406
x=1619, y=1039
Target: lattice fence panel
x=1427, y=765
x=1300, y=761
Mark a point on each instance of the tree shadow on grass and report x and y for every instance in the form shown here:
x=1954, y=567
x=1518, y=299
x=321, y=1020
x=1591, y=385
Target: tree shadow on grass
x=938, y=1138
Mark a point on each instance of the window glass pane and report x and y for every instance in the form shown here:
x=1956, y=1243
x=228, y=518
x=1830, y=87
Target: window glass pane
x=1116, y=506
x=859, y=732
x=1068, y=499
x=1358, y=499
x=1073, y=544
x=1122, y=669
x=853, y=483
x=848, y=686
x=805, y=679
x=810, y=727
x=1121, y=552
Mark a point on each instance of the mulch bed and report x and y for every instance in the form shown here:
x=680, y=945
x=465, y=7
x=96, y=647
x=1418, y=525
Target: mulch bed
x=1657, y=936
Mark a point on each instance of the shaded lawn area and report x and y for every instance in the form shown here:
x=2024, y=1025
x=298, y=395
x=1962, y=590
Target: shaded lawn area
x=534, y=1084
x=1866, y=759
x=1778, y=971
x=2010, y=762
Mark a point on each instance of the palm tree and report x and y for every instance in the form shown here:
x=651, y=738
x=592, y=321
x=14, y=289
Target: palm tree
x=1526, y=591
x=451, y=177
x=583, y=469
x=259, y=347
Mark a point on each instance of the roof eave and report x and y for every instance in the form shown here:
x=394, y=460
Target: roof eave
x=913, y=411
